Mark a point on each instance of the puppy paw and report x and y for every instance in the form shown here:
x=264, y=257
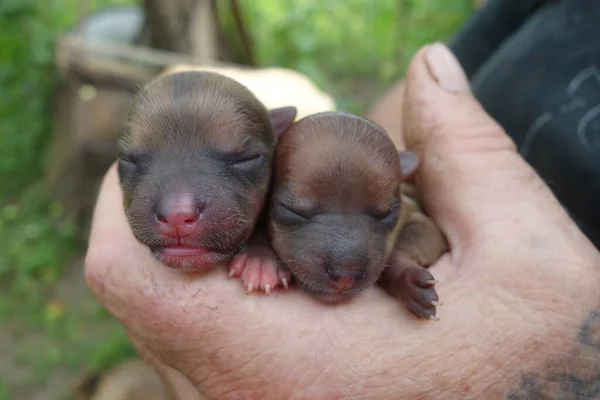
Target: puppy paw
x=259, y=269
x=416, y=287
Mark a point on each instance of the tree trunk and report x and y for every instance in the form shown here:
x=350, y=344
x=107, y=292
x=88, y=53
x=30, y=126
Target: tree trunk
x=192, y=27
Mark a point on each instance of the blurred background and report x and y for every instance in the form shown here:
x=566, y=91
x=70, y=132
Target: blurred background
x=61, y=109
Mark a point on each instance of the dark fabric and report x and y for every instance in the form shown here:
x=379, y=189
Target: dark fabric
x=488, y=28
x=535, y=67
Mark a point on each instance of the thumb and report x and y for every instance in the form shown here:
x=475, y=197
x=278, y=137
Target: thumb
x=471, y=176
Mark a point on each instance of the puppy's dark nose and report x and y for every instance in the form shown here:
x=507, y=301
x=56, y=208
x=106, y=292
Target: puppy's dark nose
x=344, y=277
x=178, y=215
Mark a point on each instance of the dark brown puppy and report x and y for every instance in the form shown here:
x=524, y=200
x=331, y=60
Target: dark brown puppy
x=195, y=166
x=337, y=214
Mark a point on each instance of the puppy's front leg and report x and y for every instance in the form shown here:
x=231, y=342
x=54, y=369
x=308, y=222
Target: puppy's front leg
x=419, y=245
x=257, y=265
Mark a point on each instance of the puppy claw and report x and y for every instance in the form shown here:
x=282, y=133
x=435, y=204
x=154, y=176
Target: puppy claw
x=285, y=283
x=433, y=318
x=259, y=269
x=415, y=288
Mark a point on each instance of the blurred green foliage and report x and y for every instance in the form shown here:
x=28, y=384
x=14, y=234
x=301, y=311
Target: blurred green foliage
x=28, y=29
x=34, y=238
x=36, y=241
x=25, y=77
x=350, y=48
x=4, y=391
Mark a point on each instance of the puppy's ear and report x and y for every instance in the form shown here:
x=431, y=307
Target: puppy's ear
x=409, y=162
x=282, y=118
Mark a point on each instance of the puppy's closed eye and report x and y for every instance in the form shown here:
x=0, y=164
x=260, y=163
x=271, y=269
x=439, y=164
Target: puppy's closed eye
x=246, y=161
x=285, y=214
x=135, y=158
x=131, y=164
x=126, y=165
x=387, y=218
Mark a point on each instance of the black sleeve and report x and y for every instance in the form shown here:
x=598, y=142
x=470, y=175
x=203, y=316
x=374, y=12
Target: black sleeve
x=488, y=28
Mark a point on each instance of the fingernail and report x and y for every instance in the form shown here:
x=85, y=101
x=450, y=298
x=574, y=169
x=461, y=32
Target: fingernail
x=446, y=69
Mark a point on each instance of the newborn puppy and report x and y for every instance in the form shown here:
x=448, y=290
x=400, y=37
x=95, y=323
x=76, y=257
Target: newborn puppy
x=337, y=214
x=195, y=166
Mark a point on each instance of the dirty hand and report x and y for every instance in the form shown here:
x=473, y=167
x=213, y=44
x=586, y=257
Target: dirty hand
x=520, y=286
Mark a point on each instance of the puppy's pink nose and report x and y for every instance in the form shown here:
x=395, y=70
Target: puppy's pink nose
x=177, y=216
x=344, y=277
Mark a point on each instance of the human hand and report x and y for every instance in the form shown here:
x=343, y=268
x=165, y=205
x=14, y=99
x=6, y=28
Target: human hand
x=518, y=285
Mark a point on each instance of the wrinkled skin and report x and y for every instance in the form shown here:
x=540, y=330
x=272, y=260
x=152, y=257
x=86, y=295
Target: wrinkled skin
x=518, y=284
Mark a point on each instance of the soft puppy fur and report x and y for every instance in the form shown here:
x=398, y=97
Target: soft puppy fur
x=195, y=165
x=336, y=209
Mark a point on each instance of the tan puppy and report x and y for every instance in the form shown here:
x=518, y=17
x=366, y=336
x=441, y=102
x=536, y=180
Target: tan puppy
x=338, y=220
